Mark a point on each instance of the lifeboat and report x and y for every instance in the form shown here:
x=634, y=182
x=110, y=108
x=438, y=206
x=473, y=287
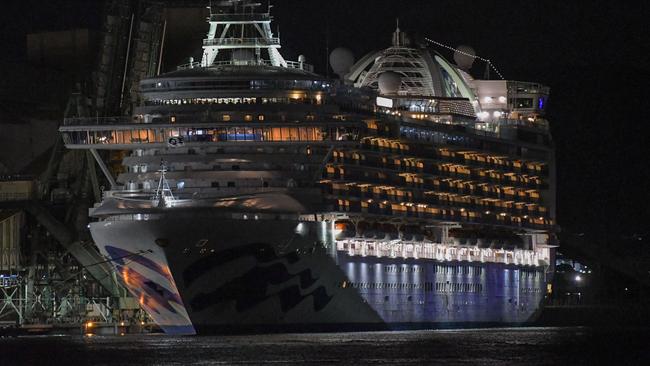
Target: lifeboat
x=411, y=233
x=404, y=233
x=500, y=239
x=430, y=235
x=379, y=231
x=390, y=231
x=366, y=229
x=467, y=236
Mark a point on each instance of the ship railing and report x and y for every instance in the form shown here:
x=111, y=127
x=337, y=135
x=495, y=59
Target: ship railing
x=289, y=64
x=242, y=42
x=240, y=17
x=300, y=65
x=189, y=65
x=540, y=124
x=441, y=252
x=95, y=121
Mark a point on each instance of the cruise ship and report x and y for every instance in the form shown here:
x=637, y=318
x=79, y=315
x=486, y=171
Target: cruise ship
x=256, y=195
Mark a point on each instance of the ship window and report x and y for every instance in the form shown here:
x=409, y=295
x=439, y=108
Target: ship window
x=235, y=167
x=226, y=117
x=260, y=117
x=386, y=298
x=231, y=184
x=265, y=184
x=248, y=118
x=214, y=184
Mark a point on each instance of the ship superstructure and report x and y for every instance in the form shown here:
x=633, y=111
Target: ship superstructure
x=259, y=195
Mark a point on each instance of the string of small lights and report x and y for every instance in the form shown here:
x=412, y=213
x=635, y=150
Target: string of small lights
x=466, y=54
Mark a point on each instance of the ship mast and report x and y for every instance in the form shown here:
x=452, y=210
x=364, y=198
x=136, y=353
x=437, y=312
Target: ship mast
x=163, y=196
x=239, y=35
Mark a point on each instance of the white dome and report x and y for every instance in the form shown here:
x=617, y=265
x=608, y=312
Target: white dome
x=341, y=59
x=464, y=57
x=389, y=82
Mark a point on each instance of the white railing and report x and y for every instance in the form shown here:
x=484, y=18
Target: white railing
x=441, y=252
x=240, y=42
x=290, y=64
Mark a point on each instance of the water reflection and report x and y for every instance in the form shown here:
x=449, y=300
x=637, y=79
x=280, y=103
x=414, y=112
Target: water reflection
x=519, y=346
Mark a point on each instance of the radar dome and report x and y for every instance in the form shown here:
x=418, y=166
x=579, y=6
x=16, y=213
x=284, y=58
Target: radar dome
x=341, y=60
x=389, y=82
x=464, y=57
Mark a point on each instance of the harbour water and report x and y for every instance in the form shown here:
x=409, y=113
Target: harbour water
x=500, y=346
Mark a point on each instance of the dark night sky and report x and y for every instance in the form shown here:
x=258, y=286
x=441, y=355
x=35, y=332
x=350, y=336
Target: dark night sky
x=593, y=54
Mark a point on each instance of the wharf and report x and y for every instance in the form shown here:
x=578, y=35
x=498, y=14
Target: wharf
x=89, y=328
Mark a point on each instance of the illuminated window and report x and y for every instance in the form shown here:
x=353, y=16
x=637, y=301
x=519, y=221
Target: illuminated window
x=248, y=118
x=173, y=119
x=226, y=117
x=260, y=117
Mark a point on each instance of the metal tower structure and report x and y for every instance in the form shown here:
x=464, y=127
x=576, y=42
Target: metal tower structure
x=239, y=35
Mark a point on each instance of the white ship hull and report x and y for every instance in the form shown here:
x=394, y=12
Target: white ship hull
x=197, y=273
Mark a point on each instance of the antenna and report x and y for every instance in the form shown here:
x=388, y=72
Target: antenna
x=163, y=196
x=327, y=47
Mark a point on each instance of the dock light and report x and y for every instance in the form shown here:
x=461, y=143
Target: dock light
x=578, y=278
